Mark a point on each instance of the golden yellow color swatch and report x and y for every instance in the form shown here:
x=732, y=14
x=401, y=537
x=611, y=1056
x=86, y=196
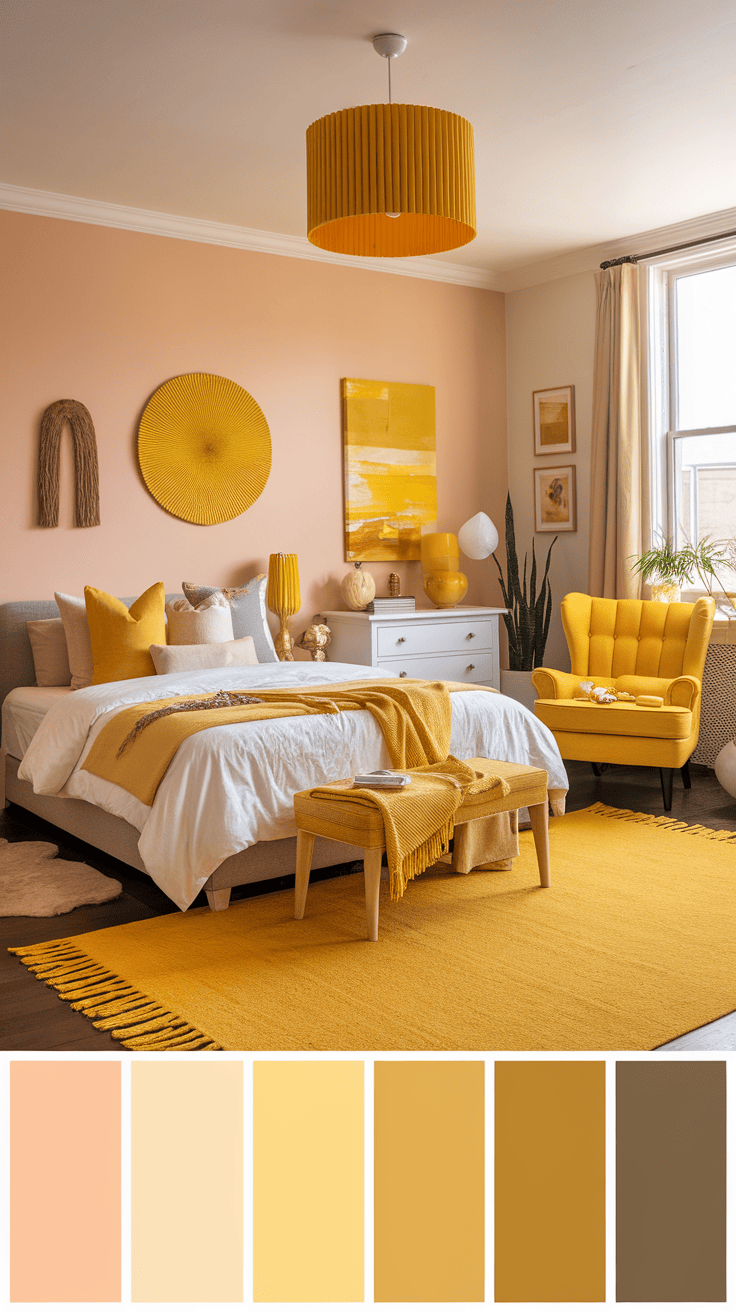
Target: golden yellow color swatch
x=308, y=1180
x=429, y=1232
x=187, y=1181
x=390, y=468
x=550, y=1182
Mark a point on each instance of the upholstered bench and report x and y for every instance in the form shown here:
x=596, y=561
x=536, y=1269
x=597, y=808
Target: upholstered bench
x=363, y=827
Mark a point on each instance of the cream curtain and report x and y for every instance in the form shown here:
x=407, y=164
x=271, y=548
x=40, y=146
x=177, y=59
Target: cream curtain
x=616, y=528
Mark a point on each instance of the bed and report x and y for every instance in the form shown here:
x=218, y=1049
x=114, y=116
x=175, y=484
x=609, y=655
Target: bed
x=223, y=814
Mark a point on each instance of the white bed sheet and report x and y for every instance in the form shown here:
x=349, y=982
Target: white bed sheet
x=232, y=786
x=23, y=710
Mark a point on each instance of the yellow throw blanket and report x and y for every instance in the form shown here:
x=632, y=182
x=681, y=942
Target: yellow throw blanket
x=418, y=821
x=414, y=716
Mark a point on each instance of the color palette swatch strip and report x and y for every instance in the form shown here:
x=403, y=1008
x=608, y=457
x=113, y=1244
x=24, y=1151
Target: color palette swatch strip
x=188, y=1184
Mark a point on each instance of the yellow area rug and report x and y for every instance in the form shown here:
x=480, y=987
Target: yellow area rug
x=632, y=945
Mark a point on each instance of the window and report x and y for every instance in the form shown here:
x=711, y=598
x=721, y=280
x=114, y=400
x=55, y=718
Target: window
x=691, y=300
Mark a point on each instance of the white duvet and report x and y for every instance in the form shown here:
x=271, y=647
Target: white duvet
x=232, y=786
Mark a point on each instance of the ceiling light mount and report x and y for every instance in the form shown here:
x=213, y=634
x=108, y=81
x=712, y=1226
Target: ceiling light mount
x=389, y=44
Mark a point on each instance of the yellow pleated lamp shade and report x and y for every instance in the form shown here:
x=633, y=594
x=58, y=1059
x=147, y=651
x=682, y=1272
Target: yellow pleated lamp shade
x=374, y=161
x=283, y=584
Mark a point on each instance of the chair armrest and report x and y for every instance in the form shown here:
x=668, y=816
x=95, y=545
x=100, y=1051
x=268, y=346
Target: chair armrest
x=683, y=691
x=553, y=684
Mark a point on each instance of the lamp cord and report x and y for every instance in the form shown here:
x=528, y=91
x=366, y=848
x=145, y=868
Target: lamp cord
x=388, y=61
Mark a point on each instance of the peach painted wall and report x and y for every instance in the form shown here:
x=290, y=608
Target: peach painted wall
x=104, y=316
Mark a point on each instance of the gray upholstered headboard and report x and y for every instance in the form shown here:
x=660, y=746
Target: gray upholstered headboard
x=16, y=658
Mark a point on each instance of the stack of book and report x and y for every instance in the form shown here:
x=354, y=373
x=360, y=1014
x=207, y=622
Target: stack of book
x=385, y=779
x=390, y=605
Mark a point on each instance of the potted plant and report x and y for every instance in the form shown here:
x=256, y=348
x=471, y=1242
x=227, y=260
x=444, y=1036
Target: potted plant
x=527, y=617
x=669, y=569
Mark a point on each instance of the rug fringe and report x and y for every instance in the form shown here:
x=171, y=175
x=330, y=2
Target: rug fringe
x=662, y=822
x=111, y=1003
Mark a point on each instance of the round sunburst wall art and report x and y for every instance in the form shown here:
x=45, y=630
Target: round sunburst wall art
x=204, y=448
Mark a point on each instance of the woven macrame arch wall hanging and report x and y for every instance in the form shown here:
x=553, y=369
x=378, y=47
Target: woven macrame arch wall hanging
x=86, y=477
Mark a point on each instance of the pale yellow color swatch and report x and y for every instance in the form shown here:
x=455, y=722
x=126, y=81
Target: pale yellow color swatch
x=187, y=1181
x=429, y=1233
x=308, y=1175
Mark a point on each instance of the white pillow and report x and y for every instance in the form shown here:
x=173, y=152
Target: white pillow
x=73, y=613
x=211, y=621
x=50, y=655
x=203, y=656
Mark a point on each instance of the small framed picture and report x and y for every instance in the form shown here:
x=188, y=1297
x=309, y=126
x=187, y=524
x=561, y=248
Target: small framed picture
x=554, y=421
x=555, y=501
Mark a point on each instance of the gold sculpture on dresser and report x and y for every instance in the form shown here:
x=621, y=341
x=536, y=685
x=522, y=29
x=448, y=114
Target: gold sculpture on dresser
x=314, y=640
x=283, y=598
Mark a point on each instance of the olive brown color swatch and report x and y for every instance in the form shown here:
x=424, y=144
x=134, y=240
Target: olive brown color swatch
x=550, y=1182
x=670, y=1181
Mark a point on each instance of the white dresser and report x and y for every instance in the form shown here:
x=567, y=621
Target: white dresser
x=459, y=644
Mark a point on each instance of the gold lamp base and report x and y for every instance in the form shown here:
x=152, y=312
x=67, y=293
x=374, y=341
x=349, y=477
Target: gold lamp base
x=282, y=641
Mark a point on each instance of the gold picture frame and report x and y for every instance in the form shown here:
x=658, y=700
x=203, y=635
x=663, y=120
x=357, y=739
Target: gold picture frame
x=554, y=421
x=555, y=500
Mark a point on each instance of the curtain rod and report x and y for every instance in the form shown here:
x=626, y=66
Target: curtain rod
x=667, y=250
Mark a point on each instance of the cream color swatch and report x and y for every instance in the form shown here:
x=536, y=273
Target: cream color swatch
x=187, y=1181
x=308, y=1211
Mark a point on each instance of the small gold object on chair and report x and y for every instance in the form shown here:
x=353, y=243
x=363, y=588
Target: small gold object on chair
x=283, y=598
x=333, y=818
x=650, y=655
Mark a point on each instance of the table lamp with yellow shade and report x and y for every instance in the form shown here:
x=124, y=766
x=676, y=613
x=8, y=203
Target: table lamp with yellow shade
x=283, y=598
x=444, y=584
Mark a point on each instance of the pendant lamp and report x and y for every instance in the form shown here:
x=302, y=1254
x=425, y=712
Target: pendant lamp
x=390, y=180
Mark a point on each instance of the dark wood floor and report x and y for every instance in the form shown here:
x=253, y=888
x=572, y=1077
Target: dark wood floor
x=33, y=1017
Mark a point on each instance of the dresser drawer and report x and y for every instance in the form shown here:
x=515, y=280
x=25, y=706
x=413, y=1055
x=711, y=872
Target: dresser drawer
x=465, y=668
x=457, y=636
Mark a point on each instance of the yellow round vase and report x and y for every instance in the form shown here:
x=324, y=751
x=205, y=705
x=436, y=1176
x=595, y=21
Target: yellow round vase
x=445, y=587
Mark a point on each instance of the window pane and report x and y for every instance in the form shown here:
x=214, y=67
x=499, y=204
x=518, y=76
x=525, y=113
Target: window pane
x=705, y=491
x=706, y=349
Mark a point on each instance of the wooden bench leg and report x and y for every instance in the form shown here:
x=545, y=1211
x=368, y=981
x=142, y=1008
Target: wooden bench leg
x=304, y=850
x=372, y=857
x=539, y=817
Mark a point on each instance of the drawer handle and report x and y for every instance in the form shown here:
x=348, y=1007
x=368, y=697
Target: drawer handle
x=469, y=636
x=470, y=667
x=402, y=674
x=401, y=639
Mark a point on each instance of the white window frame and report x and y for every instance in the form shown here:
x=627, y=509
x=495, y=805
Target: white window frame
x=658, y=277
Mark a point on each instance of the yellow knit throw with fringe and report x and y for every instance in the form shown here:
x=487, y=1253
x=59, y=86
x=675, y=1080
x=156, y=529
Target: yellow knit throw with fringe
x=418, y=820
x=415, y=718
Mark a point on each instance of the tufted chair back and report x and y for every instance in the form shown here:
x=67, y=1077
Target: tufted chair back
x=612, y=639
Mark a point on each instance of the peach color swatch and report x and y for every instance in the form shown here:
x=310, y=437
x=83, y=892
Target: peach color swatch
x=65, y=1215
x=429, y=1181
x=308, y=1174
x=187, y=1181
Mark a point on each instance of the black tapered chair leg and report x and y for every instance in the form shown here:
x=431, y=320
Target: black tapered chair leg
x=685, y=772
x=666, y=777
x=596, y=769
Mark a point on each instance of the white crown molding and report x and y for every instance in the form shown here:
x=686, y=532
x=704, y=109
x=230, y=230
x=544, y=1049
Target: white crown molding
x=591, y=257
x=54, y=205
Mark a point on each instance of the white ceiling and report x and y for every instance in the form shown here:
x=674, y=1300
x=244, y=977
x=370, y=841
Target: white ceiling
x=593, y=119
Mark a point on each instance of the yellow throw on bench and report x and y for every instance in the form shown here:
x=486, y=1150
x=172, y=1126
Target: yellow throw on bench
x=415, y=718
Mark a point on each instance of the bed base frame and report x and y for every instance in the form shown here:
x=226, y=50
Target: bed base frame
x=119, y=839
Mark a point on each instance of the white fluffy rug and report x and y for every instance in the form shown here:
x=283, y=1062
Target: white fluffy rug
x=32, y=883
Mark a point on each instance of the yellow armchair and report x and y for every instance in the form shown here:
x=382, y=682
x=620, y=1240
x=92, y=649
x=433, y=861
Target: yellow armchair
x=636, y=647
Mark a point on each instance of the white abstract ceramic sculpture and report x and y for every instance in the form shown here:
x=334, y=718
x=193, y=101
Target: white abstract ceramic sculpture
x=478, y=537
x=725, y=768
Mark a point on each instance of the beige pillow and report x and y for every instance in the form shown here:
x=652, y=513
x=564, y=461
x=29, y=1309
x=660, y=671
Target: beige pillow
x=204, y=656
x=211, y=621
x=73, y=613
x=50, y=655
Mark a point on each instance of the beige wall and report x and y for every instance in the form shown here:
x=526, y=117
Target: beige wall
x=550, y=332
x=105, y=316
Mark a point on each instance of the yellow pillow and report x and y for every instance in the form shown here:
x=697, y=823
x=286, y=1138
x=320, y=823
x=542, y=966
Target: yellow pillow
x=121, y=638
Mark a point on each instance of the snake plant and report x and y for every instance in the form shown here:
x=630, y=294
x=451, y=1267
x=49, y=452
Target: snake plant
x=527, y=614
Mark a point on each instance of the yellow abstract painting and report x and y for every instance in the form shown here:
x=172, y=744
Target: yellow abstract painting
x=390, y=468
